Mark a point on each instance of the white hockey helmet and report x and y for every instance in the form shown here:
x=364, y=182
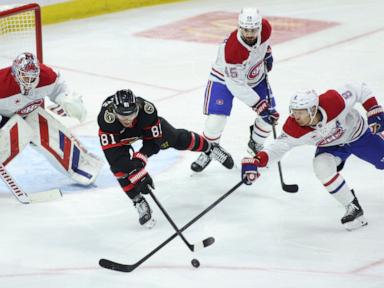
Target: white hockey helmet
x=250, y=18
x=305, y=99
x=26, y=70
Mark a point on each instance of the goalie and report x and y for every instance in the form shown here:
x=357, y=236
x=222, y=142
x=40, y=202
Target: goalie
x=24, y=120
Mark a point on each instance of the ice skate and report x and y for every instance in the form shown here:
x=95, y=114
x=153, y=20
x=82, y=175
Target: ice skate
x=354, y=216
x=219, y=154
x=145, y=212
x=254, y=147
x=201, y=162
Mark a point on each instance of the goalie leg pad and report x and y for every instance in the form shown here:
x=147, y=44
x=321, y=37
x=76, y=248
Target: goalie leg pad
x=14, y=136
x=62, y=149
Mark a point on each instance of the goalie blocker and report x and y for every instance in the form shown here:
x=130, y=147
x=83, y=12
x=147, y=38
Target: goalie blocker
x=53, y=140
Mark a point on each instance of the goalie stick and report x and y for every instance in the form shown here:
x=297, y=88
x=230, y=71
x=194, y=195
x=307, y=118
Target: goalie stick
x=108, y=264
x=193, y=247
x=23, y=197
x=290, y=188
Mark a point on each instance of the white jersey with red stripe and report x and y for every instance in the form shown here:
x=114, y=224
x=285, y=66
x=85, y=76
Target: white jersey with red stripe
x=241, y=67
x=340, y=124
x=12, y=101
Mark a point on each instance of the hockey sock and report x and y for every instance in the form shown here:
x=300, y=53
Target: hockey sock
x=198, y=143
x=338, y=188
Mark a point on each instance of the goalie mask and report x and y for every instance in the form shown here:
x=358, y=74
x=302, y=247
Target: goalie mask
x=26, y=70
x=250, y=22
x=306, y=100
x=125, y=105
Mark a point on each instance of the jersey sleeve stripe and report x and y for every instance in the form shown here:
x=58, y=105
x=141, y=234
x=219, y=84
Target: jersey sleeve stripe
x=109, y=146
x=371, y=102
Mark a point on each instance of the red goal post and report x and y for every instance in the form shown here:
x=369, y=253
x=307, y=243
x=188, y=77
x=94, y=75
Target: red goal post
x=20, y=31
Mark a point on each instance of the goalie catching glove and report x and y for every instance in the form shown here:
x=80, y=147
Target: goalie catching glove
x=71, y=105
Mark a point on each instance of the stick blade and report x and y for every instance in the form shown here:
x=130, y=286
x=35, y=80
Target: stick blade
x=111, y=265
x=290, y=188
x=209, y=241
x=45, y=196
x=203, y=244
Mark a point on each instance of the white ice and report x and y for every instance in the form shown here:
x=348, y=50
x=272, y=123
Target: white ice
x=264, y=237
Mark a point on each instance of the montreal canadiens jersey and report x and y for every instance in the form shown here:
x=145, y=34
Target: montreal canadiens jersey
x=13, y=102
x=340, y=124
x=241, y=67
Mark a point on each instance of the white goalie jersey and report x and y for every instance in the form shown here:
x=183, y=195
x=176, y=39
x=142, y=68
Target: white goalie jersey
x=51, y=84
x=340, y=124
x=13, y=102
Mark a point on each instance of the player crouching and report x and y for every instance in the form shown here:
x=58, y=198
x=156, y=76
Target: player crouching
x=124, y=119
x=331, y=123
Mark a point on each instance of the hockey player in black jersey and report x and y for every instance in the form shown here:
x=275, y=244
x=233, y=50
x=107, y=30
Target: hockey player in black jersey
x=124, y=119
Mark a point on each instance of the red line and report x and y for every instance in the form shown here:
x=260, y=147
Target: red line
x=369, y=266
x=60, y=271
x=332, y=45
x=116, y=78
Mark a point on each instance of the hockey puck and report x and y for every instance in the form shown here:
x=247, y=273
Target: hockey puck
x=195, y=263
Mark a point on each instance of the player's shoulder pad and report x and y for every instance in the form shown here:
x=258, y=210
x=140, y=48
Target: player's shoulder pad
x=266, y=30
x=47, y=76
x=107, y=119
x=8, y=85
x=333, y=103
x=234, y=51
x=146, y=106
x=291, y=128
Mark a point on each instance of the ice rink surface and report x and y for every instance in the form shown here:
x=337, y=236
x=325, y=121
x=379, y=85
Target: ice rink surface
x=264, y=237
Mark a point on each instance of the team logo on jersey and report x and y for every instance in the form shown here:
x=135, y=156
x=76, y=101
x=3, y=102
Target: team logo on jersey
x=254, y=71
x=333, y=136
x=31, y=107
x=148, y=108
x=220, y=101
x=109, y=117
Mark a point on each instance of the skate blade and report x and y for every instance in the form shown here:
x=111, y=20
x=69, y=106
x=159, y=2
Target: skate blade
x=150, y=223
x=250, y=152
x=356, y=224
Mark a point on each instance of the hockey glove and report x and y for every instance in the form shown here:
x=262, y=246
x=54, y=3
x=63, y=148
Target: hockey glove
x=249, y=172
x=267, y=113
x=376, y=119
x=139, y=159
x=268, y=59
x=141, y=180
x=273, y=116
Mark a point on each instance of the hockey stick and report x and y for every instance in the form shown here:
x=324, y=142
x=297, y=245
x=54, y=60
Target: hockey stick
x=290, y=188
x=23, y=197
x=201, y=244
x=108, y=264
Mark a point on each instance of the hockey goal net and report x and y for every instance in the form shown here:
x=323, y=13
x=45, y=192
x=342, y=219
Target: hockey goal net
x=20, y=31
